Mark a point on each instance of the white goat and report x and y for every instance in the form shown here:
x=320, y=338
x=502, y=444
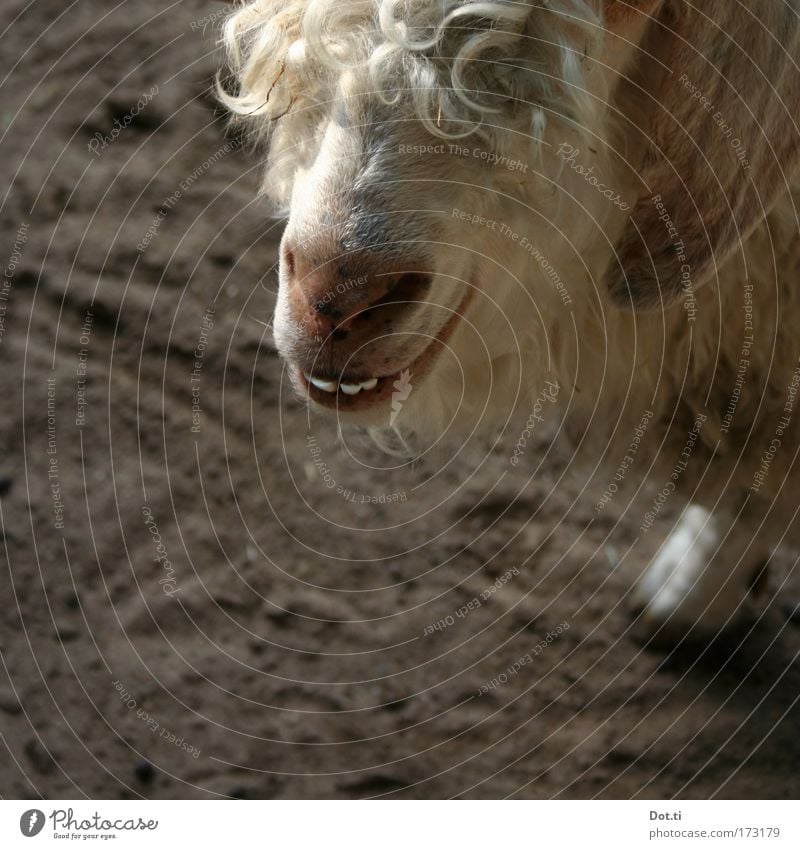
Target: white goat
x=486, y=196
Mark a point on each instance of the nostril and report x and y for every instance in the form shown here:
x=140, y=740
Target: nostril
x=323, y=307
x=407, y=289
x=335, y=304
x=410, y=287
x=399, y=291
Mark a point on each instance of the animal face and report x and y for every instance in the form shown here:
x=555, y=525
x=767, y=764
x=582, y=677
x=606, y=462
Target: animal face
x=456, y=182
x=413, y=147
x=373, y=277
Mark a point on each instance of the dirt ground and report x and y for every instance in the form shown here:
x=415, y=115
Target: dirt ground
x=230, y=601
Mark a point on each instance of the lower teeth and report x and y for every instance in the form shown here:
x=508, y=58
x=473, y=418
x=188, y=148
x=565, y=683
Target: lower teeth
x=347, y=388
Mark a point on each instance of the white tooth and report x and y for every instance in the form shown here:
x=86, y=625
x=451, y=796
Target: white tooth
x=370, y=384
x=324, y=385
x=350, y=388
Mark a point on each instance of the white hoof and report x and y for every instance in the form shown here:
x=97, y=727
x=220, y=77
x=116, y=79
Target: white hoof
x=698, y=581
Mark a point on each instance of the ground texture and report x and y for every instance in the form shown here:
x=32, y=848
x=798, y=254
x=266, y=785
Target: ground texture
x=233, y=601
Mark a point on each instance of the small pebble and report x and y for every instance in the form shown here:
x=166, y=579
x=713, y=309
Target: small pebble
x=9, y=702
x=145, y=772
x=5, y=484
x=38, y=755
x=791, y=610
x=238, y=793
x=669, y=662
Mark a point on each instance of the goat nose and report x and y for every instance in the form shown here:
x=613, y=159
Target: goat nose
x=340, y=291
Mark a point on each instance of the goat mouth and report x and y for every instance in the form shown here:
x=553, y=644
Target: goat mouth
x=350, y=394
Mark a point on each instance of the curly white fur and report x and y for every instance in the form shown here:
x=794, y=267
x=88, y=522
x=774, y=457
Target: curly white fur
x=459, y=77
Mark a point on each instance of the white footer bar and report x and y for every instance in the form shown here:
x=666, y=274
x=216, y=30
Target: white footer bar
x=401, y=824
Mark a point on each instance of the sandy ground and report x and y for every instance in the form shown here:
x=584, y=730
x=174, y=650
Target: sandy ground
x=192, y=605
